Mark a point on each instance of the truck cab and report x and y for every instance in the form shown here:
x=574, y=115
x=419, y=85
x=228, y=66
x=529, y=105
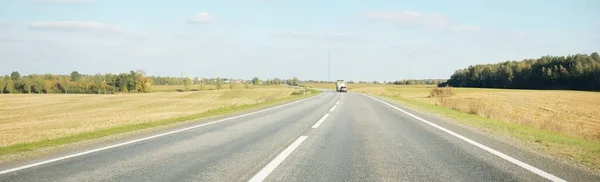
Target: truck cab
x=340, y=86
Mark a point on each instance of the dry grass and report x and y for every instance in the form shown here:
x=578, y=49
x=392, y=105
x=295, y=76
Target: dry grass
x=573, y=113
x=196, y=87
x=30, y=118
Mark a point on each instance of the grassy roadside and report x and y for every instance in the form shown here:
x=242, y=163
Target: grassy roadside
x=31, y=146
x=576, y=150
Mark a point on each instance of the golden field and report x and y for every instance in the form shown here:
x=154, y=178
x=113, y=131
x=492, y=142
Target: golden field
x=32, y=117
x=573, y=113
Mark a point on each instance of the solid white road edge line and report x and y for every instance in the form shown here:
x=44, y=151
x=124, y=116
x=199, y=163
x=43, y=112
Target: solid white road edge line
x=142, y=139
x=320, y=121
x=486, y=148
x=264, y=172
x=333, y=108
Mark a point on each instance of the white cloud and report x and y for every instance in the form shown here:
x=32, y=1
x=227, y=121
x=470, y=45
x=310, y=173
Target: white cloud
x=76, y=26
x=331, y=37
x=409, y=18
x=202, y=17
x=63, y=1
x=467, y=28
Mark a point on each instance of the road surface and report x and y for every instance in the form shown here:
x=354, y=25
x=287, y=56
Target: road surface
x=329, y=137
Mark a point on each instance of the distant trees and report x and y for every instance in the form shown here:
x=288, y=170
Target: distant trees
x=274, y=81
x=575, y=72
x=218, y=83
x=143, y=83
x=157, y=80
x=77, y=83
x=187, y=82
x=255, y=81
x=418, y=82
x=294, y=82
x=15, y=76
x=75, y=76
x=2, y=85
x=10, y=86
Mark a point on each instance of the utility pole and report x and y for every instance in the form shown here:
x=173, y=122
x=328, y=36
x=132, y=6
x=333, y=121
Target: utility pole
x=329, y=74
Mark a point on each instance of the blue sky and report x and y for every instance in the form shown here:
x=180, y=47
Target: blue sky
x=368, y=40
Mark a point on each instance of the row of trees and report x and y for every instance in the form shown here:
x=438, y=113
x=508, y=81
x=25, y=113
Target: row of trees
x=158, y=80
x=575, y=72
x=218, y=82
x=134, y=81
x=418, y=82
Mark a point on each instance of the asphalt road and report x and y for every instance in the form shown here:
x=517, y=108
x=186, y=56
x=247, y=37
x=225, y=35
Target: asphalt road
x=361, y=139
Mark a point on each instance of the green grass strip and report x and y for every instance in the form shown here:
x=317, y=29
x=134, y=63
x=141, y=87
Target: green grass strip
x=30, y=146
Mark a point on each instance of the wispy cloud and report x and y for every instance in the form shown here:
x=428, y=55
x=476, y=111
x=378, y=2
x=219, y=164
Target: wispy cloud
x=467, y=28
x=416, y=19
x=76, y=26
x=331, y=37
x=62, y=1
x=202, y=17
x=409, y=18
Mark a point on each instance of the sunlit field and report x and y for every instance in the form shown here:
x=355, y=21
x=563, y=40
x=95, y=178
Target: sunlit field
x=35, y=117
x=571, y=113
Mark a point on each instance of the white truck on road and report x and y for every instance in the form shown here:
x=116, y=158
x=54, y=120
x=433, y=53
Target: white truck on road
x=340, y=86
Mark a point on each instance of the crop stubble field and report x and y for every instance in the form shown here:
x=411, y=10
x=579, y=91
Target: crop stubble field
x=32, y=117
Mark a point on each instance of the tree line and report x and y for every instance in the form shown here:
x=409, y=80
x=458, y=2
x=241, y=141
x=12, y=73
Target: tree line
x=76, y=83
x=573, y=72
x=418, y=82
x=159, y=80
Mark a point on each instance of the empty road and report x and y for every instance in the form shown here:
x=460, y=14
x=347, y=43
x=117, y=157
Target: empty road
x=328, y=137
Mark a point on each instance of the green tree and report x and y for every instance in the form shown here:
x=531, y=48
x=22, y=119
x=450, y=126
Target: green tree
x=75, y=76
x=15, y=76
x=143, y=83
x=37, y=85
x=218, y=83
x=187, y=82
x=49, y=86
x=99, y=84
x=255, y=81
x=231, y=83
x=595, y=56
x=2, y=85
x=276, y=81
x=64, y=85
x=10, y=86
x=26, y=85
